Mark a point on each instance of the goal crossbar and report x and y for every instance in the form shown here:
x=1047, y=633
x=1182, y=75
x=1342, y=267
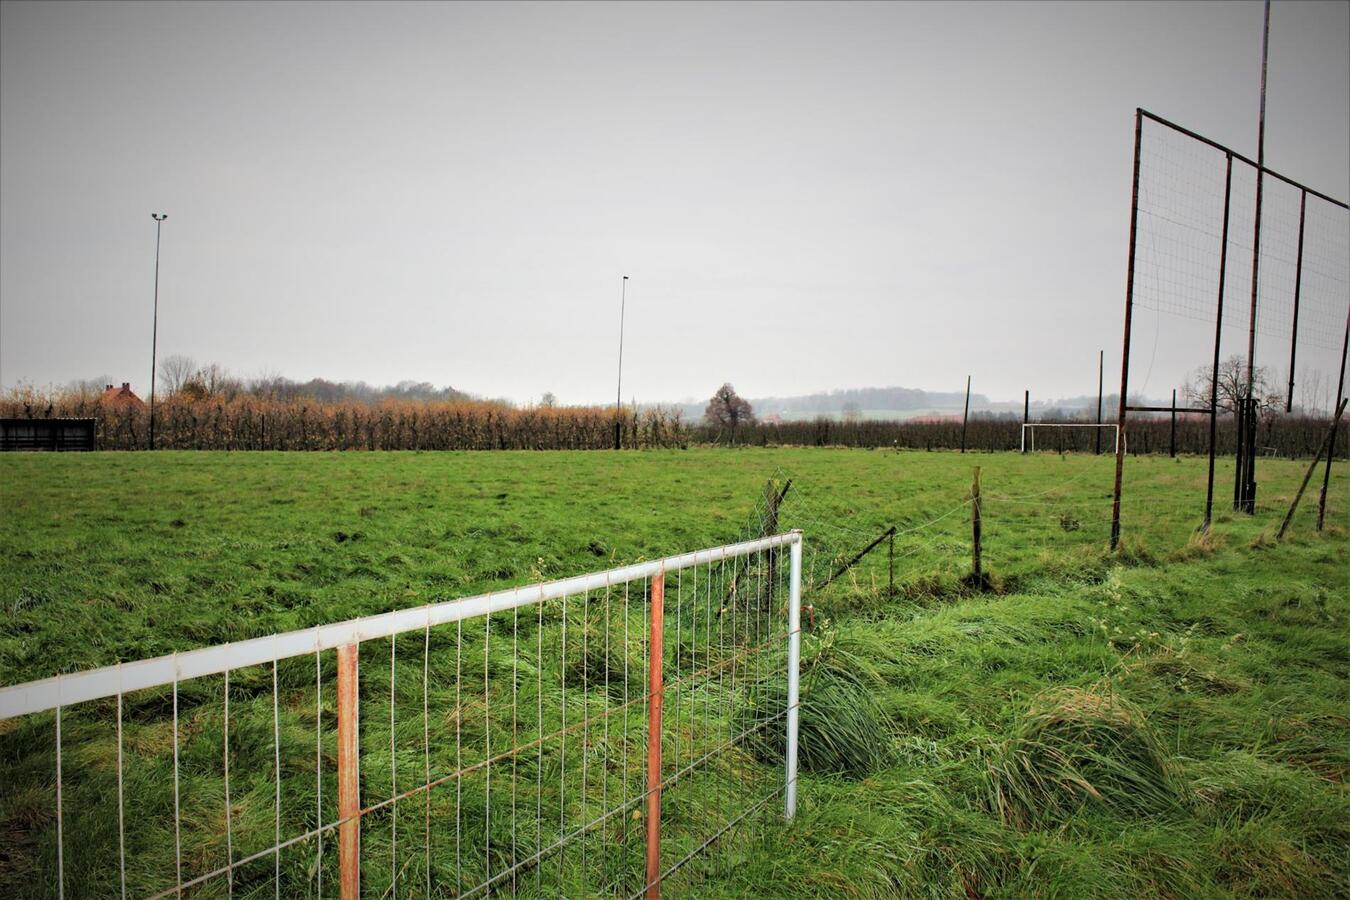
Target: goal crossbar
x=1029, y=429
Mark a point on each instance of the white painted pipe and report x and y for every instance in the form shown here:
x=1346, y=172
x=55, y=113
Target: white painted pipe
x=110, y=681
x=794, y=676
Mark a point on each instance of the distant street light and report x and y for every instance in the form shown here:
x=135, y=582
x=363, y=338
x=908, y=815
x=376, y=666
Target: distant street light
x=618, y=393
x=154, y=333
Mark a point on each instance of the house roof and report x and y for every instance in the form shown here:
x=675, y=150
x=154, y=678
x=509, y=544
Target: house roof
x=123, y=395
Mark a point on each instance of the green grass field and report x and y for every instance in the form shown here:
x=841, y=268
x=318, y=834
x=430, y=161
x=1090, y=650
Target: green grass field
x=1169, y=720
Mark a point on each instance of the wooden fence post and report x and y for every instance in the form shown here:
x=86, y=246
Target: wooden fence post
x=891, y=565
x=349, y=772
x=656, y=696
x=975, y=526
x=965, y=416
x=774, y=498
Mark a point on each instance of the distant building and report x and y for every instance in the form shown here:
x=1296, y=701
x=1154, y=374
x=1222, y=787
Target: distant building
x=47, y=434
x=123, y=396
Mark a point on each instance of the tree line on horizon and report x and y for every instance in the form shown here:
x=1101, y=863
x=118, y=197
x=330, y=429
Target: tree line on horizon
x=206, y=407
x=191, y=420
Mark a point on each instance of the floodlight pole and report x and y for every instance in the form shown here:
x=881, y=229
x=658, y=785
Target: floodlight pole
x=618, y=392
x=154, y=327
x=1260, y=178
x=1246, y=451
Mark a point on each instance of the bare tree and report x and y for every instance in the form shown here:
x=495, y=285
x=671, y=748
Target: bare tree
x=218, y=381
x=1232, y=385
x=88, y=388
x=549, y=400
x=728, y=409
x=176, y=371
x=1314, y=392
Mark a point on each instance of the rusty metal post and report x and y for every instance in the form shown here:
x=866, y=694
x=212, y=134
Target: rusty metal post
x=1125, y=343
x=349, y=772
x=1218, y=340
x=1331, y=451
x=1298, y=289
x=1172, y=432
x=655, y=697
x=1326, y=444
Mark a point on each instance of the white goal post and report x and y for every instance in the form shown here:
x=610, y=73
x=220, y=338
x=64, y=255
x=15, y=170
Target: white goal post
x=1029, y=431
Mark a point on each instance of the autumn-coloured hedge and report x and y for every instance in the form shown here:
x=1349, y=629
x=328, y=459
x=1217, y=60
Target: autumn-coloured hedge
x=248, y=422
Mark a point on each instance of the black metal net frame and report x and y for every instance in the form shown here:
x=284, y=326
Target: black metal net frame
x=1277, y=292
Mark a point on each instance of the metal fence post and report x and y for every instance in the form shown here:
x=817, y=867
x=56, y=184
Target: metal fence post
x=349, y=772
x=1121, y=430
x=1026, y=417
x=965, y=416
x=793, y=673
x=975, y=527
x=655, y=697
x=1218, y=340
x=1340, y=395
x=1172, y=431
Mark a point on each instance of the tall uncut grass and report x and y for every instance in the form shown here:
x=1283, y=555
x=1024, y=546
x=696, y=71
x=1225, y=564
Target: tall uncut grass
x=1171, y=720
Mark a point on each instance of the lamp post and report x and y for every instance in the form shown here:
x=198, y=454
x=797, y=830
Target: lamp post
x=618, y=393
x=154, y=331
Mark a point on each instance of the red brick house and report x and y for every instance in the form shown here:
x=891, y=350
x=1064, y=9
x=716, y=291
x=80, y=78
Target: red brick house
x=122, y=396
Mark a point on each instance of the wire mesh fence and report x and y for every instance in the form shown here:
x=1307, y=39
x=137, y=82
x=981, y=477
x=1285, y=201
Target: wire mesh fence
x=1238, y=299
x=1189, y=282
x=593, y=736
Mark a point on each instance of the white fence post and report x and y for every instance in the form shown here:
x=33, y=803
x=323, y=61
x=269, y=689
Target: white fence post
x=793, y=673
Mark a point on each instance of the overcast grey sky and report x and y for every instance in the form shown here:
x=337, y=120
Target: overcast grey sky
x=805, y=196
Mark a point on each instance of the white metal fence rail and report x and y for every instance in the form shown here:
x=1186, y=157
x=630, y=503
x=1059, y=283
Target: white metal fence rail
x=523, y=788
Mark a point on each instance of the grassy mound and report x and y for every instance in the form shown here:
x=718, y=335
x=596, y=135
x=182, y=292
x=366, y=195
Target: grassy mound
x=1076, y=747
x=843, y=729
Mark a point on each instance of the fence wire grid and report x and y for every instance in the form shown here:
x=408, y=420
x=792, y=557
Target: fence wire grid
x=505, y=745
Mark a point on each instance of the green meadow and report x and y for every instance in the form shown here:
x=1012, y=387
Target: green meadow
x=1171, y=719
